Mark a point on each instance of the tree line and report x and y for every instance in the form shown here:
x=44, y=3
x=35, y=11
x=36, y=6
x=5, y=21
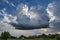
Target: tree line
x=6, y=35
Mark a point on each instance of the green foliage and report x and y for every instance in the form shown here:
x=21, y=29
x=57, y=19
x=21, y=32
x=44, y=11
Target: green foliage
x=22, y=37
x=12, y=37
x=5, y=35
x=57, y=37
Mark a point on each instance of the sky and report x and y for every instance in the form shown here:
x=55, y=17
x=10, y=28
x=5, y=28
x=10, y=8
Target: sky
x=30, y=17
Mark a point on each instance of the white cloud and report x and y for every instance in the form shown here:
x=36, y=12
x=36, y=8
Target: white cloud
x=10, y=3
x=7, y=17
x=31, y=16
x=53, y=10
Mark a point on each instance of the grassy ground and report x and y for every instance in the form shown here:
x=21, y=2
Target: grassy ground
x=33, y=39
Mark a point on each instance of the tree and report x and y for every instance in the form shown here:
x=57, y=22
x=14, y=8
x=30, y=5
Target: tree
x=5, y=35
x=22, y=37
x=57, y=36
x=12, y=37
x=43, y=35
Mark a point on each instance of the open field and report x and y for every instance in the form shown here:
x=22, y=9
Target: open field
x=35, y=39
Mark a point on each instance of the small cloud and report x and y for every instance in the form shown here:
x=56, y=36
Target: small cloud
x=10, y=3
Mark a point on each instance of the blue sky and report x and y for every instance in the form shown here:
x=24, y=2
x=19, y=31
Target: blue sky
x=30, y=17
x=11, y=8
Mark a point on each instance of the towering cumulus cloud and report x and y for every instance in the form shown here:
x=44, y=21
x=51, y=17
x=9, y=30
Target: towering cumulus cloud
x=33, y=18
x=53, y=10
x=24, y=18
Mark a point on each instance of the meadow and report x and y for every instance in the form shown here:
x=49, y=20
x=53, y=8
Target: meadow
x=35, y=39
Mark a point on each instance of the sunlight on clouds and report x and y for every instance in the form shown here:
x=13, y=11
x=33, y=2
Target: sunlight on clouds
x=31, y=16
x=25, y=9
x=52, y=17
x=50, y=12
x=21, y=32
x=58, y=32
x=44, y=30
x=6, y=19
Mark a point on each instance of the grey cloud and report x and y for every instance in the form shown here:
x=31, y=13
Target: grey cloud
x=28, y=27
x=8, y=23
x=33, y=18
x=53, y=10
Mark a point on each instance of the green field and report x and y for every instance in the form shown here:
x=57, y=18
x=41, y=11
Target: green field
x=35, y=39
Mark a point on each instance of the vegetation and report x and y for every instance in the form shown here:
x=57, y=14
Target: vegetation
x=7, y=36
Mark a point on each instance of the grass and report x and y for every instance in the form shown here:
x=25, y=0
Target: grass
x=34, y=39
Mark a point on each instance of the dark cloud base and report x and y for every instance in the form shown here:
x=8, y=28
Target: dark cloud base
x=28, y=27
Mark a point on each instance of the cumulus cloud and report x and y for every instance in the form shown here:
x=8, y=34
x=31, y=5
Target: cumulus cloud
x=7, y=17
x=4, y=22
x=25, y=19
x=35, y=17
x=53, y=10
x=5, y=26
